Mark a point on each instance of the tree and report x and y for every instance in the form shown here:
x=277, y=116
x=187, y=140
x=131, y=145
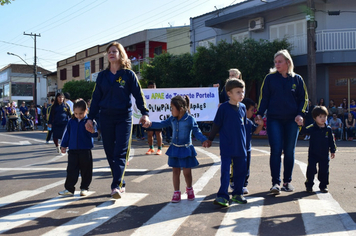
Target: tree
x=3, y=2
x=253, y=58
x=210, y=65
x=169, y=71
x=79, y=89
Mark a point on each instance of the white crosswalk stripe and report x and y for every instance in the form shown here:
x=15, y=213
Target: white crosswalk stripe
x=321, y=215
x=31, y=213
x=96, y=216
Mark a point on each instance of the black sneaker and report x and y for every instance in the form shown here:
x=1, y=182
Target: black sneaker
x=239, y=199
x=324, y=190
x=288, y=187
x=310, y=189
x=275, y=190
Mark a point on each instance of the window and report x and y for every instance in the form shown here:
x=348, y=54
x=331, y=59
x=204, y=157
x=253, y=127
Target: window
x=63, y=74
x=6, y=90
x=101, y=63
x=22, y=89
x=206, y=43
x=92, y=65
x=75, y=71
x=158, y=50
x=295, y=32
x=240, y=37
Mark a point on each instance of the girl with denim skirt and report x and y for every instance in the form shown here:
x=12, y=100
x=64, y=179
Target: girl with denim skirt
x=181, y=153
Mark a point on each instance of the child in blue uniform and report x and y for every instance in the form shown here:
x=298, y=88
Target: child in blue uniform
x=230, y=121
x=320, y=143
x=181, y=152
x=80, y=142
x=251, y=128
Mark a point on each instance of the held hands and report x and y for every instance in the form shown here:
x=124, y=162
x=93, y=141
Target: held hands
x=145, y=121
x=89, y=126
x=207, y=143
x=63, y=149
x=299, y=120
x=258, y=120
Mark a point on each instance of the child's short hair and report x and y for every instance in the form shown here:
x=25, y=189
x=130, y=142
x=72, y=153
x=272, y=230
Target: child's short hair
x=319, y=110
x=234, y=83
x=248, y=103
x=80, y=103
x=181, y=102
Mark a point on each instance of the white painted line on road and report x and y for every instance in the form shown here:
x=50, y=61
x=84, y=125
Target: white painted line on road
x=329, y=205
x=169, y=219
x=15, y=197
x=242, y=219
x=96, y=216
x=320, y=217
x=174, y=214
x=30, y=169
x=203, y=181
x=20, y=143
x=17, y=137
x=105, y=169
x=149, y=174
x=21, y=217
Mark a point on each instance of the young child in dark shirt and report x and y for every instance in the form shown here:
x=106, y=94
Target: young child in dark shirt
x=320, y=143
x=230, y=121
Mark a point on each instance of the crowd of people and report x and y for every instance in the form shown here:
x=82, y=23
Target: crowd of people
x=74, y=125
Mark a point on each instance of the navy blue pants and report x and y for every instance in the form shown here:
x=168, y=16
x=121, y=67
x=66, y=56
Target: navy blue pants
x=323, y=173
x=239, y=170
x=116, y=134
x=80, y=160
x=282, y=136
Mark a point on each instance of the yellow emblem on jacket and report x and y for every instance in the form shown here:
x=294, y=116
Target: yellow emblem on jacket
x=121, y=81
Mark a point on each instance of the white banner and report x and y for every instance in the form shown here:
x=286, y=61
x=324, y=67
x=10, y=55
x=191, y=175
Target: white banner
x=204, y=103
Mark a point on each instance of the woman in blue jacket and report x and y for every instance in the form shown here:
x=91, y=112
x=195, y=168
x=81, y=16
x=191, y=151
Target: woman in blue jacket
x=112, y=97
x=284, y=96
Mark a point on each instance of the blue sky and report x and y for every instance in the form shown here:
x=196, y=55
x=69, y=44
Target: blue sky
x=69, y=26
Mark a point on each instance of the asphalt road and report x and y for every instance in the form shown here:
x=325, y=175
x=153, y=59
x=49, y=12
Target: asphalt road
x=32, y=173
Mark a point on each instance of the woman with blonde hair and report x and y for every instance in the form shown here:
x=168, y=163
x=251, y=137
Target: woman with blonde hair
x=284, y=96
x=112, y=97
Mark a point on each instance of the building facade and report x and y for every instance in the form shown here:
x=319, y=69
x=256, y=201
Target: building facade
x=335, y=38
x=17, y=84
x=86, y=64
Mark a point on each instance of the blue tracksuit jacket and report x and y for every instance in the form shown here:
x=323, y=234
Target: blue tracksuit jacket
x=76, y=136
x=284, y=98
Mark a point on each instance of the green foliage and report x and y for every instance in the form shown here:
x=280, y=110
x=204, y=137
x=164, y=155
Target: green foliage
x=79, y=89
x=210, y=65
x=3, y=2
x=169, y=71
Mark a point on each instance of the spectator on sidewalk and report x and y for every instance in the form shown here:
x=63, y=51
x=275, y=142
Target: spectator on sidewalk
x=336, y=126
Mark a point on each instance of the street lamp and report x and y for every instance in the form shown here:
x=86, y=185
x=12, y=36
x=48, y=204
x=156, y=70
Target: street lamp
x=34, y=72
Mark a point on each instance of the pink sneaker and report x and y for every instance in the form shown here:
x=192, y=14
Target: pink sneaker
x=176, y=196
x=190, y=193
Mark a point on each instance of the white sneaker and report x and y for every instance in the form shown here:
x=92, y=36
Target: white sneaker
x=245, y=190
x=58, y=149
x=65, y=193
x=83, y=192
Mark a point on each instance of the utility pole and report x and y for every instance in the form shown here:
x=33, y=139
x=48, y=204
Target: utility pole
x=34, y=68
x=311, y=51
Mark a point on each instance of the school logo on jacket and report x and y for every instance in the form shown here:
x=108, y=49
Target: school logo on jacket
x=294, y=87
x=121, y=81
x=326, y=134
